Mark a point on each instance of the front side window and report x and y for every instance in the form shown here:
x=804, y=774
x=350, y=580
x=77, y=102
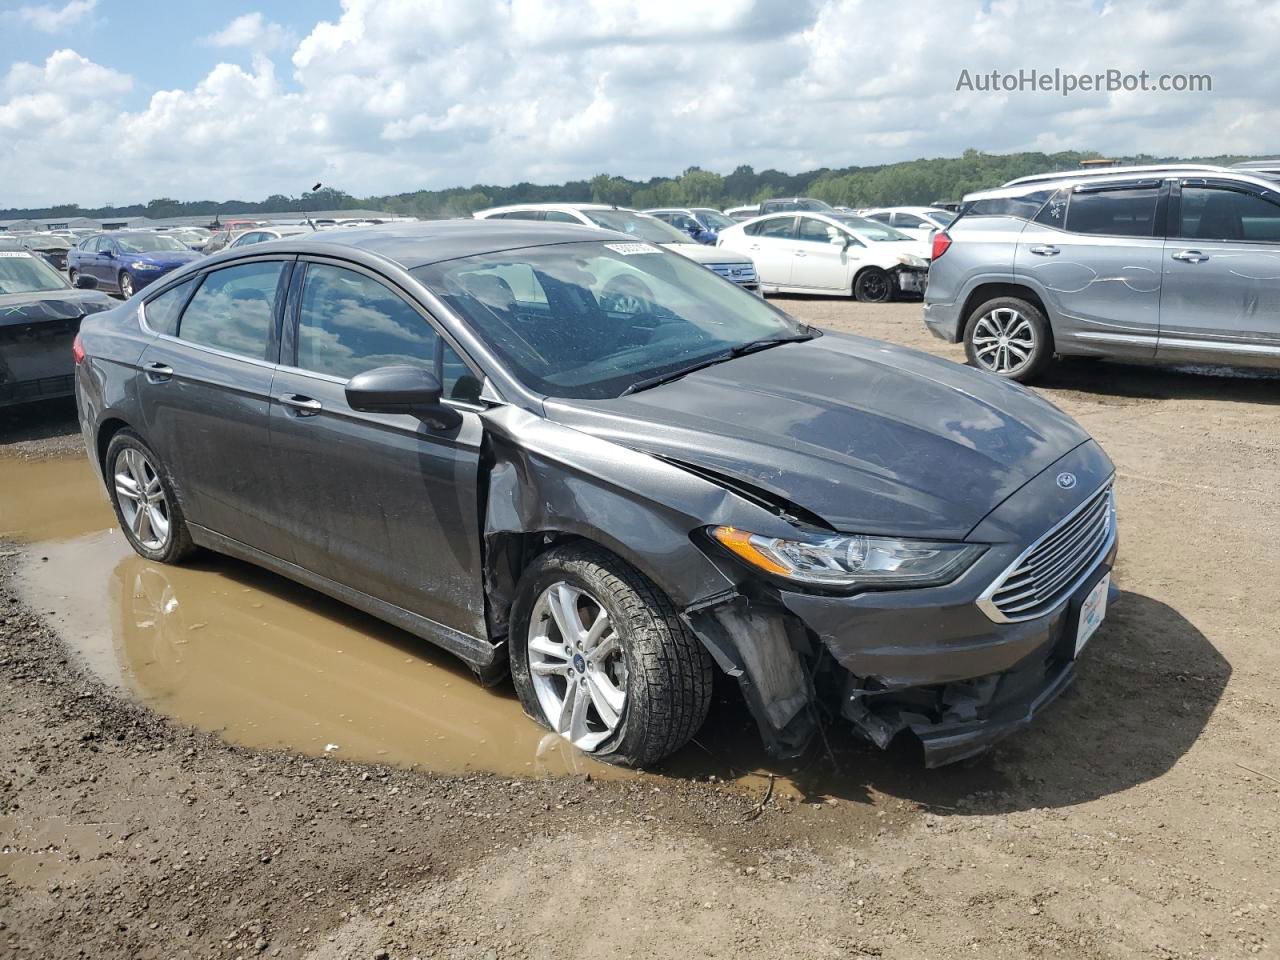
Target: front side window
x=639, y=225
x=909, y=220
x=816, y=231
x=162, y=311
x=778, y=228
x=234, y=309
x=590, y=320
x=1213, y=213
x=349, y=323
x=559, y=216
x=1114, y=213
x=1054, y=212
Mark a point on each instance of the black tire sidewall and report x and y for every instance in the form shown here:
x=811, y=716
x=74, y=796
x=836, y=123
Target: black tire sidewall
x=873, y=272
x=1040, y=356
x=179, y=543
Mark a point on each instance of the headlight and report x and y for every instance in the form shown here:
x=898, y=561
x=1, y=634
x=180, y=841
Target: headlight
x=835, y=560
x=142, y=265
x=911, y=260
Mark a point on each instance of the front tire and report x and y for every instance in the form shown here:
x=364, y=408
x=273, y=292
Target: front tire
x=144, y=501
x=873, y=285
x=600, y=655
x=1010, y=337
x=72, y=274
x=126, y=285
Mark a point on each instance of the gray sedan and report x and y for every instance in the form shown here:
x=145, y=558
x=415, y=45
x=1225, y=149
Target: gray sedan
x=457, y=427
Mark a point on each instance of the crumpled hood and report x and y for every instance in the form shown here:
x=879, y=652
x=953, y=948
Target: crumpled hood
x=872, y=438
x=70, y=304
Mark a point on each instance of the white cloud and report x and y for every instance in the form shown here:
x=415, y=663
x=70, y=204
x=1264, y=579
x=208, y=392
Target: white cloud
x=53, y=19
x=404, y=94
x=252, y=31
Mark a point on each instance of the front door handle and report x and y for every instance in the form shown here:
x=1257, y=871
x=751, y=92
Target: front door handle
x=302, y=406
x=1045, y=250
x=159, y=372
x=1191, y=256
x=800, y=253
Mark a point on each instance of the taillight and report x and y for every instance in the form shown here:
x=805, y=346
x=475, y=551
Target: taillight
x=77, y=350
x=941, y=244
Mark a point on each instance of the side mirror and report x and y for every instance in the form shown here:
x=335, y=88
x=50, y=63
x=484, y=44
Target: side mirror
x=84, y=282
x=402, y=389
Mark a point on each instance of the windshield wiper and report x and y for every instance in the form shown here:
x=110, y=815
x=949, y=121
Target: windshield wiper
x=733, y=353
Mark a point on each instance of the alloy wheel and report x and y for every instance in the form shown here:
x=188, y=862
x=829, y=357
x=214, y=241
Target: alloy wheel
x=141, y=497
x=126, y=286
x=577, y=665
x=1004, y=341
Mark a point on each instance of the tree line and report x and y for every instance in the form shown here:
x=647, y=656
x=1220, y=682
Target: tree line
x=913, y=182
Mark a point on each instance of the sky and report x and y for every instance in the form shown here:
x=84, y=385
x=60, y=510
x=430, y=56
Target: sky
x=117, y=101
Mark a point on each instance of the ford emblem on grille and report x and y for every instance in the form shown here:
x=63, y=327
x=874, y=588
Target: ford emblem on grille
x=736, y=273
x=1066, y=480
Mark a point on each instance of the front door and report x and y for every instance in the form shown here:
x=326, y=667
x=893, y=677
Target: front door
x=1095, y=257
x=1221, y=297
x=205, y=391
x=381, y=503
x=820, y=264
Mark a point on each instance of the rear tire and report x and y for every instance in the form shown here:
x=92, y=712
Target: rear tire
x=663, y=672
x=873, y=285
x=144, y=501
x=1009, y=337
x=126, y=285
x=72, y=274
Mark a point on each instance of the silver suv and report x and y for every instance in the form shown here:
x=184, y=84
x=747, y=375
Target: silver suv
x=1176, y=263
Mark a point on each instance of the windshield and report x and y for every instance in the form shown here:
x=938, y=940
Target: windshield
x=148, y=243
x=46, y=243
x=639, y=225
x=713, y=218
x=941, y=217
x=23, y=273
x=873, y=230
x=590, y=320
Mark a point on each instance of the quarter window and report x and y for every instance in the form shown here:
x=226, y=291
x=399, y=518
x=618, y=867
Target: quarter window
x=1114, y=213
x=162, y=311
x=234, y=309
x=349, y=323
x=1211, y=213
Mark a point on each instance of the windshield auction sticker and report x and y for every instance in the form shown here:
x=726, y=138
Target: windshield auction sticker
x=11, y=254
x=631, y=249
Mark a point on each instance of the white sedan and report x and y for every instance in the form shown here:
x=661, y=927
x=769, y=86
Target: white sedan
x=920, y=222
x=834, y=254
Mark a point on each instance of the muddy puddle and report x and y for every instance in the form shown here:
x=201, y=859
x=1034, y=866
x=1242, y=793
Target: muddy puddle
x=227, y=647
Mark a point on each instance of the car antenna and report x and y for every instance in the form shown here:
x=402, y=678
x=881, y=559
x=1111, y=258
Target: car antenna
x=307, y=215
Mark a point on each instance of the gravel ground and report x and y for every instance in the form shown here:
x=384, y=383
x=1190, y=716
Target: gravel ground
x=1139, y=818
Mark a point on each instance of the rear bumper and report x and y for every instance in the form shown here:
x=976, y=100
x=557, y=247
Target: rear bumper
x=943, y=321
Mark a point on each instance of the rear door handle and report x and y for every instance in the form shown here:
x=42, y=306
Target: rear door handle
x=1191, y=256
x=800, y=253
x=1045, y=250
x=302, y=406
x=159, y=372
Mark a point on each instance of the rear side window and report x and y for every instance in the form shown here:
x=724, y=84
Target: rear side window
x=1212, y=213
x=1114, y=213
x=559, y=216
x=162, y=311
x=777, y=227
x=349, y=323
x=234, y=309
x=523, y=215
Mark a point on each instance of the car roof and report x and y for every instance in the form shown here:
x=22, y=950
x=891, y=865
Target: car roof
x=551, y=206
x=419, y=243
x=1021, y=186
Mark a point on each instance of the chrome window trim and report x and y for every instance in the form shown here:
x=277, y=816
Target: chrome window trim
x=987, y=605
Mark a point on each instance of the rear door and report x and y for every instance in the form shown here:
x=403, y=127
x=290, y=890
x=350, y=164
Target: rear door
x=205, y=389
x=1221, y=296
x=1094, y=255
x=381, y=503
x=818, y=263
x=771, y=244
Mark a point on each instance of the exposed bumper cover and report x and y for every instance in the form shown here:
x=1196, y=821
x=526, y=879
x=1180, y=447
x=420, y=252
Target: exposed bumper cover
x=943, y=321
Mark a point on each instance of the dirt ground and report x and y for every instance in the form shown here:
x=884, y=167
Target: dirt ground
x=1140, y=816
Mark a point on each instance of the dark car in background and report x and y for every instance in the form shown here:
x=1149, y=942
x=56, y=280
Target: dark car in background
x=702, y=223
x=39, y=316
x=128, y=260
x=53, y=250
x=443, y=425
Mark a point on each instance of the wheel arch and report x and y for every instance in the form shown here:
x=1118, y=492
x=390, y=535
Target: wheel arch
x=107, y=429
x=990, y=291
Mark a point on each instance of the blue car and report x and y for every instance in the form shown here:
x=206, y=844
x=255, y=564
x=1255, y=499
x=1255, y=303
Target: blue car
x=702, y=223
x=126, y=261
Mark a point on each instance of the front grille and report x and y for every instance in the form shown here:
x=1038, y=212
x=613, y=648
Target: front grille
x=1049, y=569
x=743, y=273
